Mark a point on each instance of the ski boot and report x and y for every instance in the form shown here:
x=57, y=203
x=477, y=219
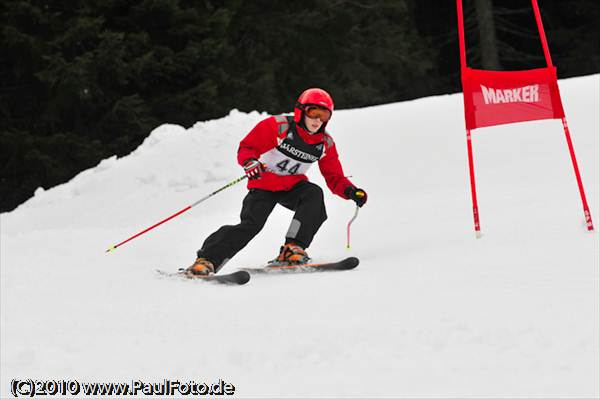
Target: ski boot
x=201, y=267
x=291, y=254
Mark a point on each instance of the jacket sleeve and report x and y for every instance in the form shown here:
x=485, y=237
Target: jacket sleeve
x=261, y=139
x=332, y=171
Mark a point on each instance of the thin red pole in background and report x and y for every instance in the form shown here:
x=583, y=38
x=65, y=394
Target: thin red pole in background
x=473, y=190
x=463, y=64
x=586, y=209
x=538, y=20
x=461, y=34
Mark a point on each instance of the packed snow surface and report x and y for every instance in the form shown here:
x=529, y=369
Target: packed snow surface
x=431, y=311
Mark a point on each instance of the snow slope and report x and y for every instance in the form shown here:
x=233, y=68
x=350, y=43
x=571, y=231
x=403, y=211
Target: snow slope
x=430, y=312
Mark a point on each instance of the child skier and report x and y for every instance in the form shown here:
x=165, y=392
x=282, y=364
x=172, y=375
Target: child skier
x=275, y=156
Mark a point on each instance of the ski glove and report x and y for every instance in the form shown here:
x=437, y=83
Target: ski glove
x=253, y=168
x=357, y=195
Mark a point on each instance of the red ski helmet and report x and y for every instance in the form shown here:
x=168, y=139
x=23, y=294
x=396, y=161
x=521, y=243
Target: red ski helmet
x=314, y=96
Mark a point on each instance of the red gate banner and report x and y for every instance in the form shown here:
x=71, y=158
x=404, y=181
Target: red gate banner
x=499, y=97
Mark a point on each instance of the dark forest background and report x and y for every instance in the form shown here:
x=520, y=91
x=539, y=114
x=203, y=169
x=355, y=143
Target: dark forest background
x=81, y=80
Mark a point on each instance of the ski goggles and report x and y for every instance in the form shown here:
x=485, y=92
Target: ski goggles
x=315, y=111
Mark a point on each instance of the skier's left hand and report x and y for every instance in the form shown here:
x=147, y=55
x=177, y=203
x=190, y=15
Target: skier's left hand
x=357, y=195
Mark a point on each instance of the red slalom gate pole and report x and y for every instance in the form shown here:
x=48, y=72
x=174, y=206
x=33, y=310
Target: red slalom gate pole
x=473, y=190
x=586, y=209
x=187, y=208
x=544, y=41
x=463, y=64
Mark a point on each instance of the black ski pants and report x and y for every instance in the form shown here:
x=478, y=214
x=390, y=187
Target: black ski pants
x=305, y=198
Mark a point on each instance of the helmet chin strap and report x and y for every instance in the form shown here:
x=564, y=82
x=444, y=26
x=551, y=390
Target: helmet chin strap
x=320, y=130
x=308, y=130
x=303, y=125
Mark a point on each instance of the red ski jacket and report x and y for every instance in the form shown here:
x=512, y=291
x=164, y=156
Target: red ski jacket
x=288, y=151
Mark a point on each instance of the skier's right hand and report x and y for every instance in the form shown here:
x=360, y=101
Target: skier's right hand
x=253, y=168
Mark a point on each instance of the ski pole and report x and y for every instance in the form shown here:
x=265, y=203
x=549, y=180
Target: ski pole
x=350, y=222
x=187, y=208
x=348, y=227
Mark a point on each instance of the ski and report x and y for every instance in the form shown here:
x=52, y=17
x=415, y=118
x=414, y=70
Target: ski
x=272, y=268
x=239, y=277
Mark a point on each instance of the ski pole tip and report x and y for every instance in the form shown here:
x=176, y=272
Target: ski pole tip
x=112, y=248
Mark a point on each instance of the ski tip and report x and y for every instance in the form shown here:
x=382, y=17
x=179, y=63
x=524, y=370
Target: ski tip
x=240, y=277
x=352, y=261
x=244, y=277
